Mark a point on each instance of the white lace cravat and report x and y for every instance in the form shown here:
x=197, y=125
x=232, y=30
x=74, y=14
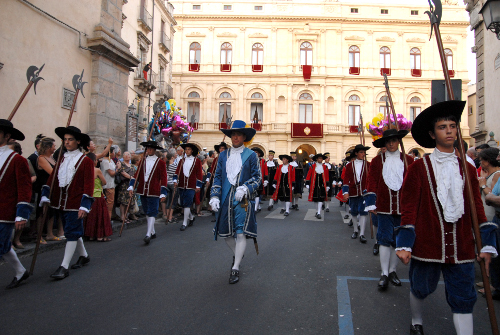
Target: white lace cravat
x=233, y=164
x=358, y=167
x=450, y=184
x=188, y=163
x=294, y=164
x=67, y=168
x=319, y=168
x=150, y=163
x=284, y=168
x=4, y=153
x=270, y=164
x=393, y=170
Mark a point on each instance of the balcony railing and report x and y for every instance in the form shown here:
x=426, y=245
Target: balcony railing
x=145, y=18
x=170, y=8
x=147, y=83
x=169, y=91
x=163, y=88
x=165, y=42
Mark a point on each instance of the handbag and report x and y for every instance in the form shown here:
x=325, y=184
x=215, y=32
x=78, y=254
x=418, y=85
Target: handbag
x=118, y=178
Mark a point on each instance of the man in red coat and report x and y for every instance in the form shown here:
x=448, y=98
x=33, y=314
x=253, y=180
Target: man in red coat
x=436, y=227
x=385, y=179
x=151, y=186
x=284, y=183
x=15, y=208
x=188, y=179
x=355, y=183
x=317, y=182
x=73, y=188
x=265, y=178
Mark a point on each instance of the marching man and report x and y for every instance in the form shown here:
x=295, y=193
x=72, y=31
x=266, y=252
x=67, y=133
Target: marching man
x=385, y=179
x=188, y=179
x=331, y=178
x=284, y=183
x=72, y=195
x=264, y=176
x=354, y=188
x=317, y=182
x=272, y=165
x=299, y=180
x=436, y=227
x=15, y=208
x=151, y=186
x=236, y=179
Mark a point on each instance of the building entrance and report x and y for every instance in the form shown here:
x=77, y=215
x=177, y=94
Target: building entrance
x=303, y=152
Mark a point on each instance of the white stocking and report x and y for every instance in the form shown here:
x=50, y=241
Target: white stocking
x=463, y=323
x=187, y=212
x=327, y=204
x=416, y=306
x=355, y=223
x=294, y=201
x=241, y=244
x=257, y=200
x=80, y=248
x=320, y=204
x=231, y=243
x=287, y=207
x=68, y=253
x=362, y=224
x=375, y=232
x=347, y=208
x=13, y=260
x=151, y=224
x=385, y=259
x=271, y=202
x=394, y=260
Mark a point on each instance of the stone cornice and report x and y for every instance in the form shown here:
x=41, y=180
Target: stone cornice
x=195, y=34
x=257, y=35
x=354, y=38
x=415, y=40
x=385, y=39
x=227, y=34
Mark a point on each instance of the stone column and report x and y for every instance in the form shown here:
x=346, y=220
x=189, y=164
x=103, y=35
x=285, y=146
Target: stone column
x=271, y=114
x=289, y=101
x=322, y=104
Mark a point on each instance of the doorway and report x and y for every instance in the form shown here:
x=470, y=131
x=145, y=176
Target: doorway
x=303, y=152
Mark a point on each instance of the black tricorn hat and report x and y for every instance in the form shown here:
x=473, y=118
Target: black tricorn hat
x=424, y=121
x=259, y=151
x=192, y=146
x=388, y=134
x=359, y=147
x=151, y=144
x=287, y=157
x=315, y=157
x=76, y=132
x=7, y=127
x=271, y=152
x=218, y=146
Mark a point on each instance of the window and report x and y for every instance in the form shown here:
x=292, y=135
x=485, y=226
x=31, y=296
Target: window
x=305, y=113
x=306, y=52
x=449, y=58
x=193, y=95
x=305, y=96
x=196, y=7
x=354, y=111
x=257, y=8
x=226, y=53
x=195, y=53
x=383, y=108
x=414, y=111
x=415, y=59
x=353, y=56
x=415, y=99
x=354, y=10
x=385, y=58
x=224, y=107
x=471, y=111
x=384, y=11
x=256, y=112
x=257, y=54
x=257, y=95
x=414, y=12
x=225, y=95
x=193, y=115
x=228, y=7
x=354, y=97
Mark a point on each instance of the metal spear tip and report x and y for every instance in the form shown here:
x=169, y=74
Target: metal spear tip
x=78, y=82
x=156, y=107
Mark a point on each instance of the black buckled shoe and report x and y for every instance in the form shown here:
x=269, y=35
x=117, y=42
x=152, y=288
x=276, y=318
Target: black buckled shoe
x=318, y=216
x=286, y=214
x=153, y=236
x=354, y=235
x=60, y=273
x=258, y=210
x=350, y=224
x=82, y=261
x=147, y=239
x=376, y=249
x=296, y=207
x=416, y=330
x=346, y=217
x=383, y=283
x=362, y=238
x=191, y=222
x=183, y=227
x=393, y=278
x=269, y=208
x=234, y=277
x=282, y=211
x=16, y=282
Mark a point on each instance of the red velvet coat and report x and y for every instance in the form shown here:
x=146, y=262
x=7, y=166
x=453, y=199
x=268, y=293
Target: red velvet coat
x=388, y=201
x=264, y=173
x=69, y=198
x=195, y=175
x=311, y=178
x=157, y=179
x=15, y=186
x=435, y=239
x=214, y=166
x=291, y=181
x=356, y=188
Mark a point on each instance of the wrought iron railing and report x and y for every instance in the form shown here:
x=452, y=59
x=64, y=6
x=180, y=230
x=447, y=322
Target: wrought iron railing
x=145, y=17
x=165, y=41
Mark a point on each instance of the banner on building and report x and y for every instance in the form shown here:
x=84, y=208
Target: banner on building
x=307, y=130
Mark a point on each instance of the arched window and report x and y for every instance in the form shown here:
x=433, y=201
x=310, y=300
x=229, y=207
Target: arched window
x=306, y=53
x=354, y=56
x=354, y=97
x=415, y=59
x=354, y=110
x=415, y=110
x=257, y=95
x=382, y=108
x=305, y=96
x=225, y=95
x=257, y=54
x=385, y=58
x=193, y=114
x=383, y=98
x=195, y=53
x=415, y=99
x=226, y=51
x=224, y=107
x=448, y=54
x=193, y=95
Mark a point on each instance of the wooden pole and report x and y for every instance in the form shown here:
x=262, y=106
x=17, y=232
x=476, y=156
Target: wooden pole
x=16, y=107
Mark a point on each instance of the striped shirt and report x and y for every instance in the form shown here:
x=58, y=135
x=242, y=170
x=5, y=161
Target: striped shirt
x=171, y=171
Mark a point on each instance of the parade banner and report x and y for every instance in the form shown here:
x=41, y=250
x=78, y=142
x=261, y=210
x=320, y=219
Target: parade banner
x=307, y=130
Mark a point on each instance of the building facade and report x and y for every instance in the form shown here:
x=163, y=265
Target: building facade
x=472, y=112
x=305, y=80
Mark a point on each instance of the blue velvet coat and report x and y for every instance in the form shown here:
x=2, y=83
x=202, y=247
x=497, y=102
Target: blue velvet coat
x=250, y=176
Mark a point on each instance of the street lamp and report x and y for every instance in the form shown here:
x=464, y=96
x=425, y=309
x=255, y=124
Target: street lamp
x=491, y=16
x=132, y=109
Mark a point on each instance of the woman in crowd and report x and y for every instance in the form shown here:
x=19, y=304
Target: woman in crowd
x=97, y=222
x=171, y=168
x=127, y=171
x=490, y=172
x=109, y=169
x=92, y=149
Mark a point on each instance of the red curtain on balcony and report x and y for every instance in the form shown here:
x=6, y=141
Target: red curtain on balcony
x=354, y=70
x=306, y=72
x=225, y=68
x=452, y=73
x=307, y=130
x=194, y=125
x=257, y=126
x=194, y=67
x=385, y=71
x=223, y=125
x=257, y=68
x=353, y=129
x=416, y=73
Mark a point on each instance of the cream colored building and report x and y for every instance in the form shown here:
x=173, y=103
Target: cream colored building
x=472, y=112
x=213, y=37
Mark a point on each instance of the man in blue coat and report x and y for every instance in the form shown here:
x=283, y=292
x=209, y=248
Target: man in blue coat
x=237, y=179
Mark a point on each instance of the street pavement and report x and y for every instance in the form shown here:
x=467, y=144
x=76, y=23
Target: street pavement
x=309, y=278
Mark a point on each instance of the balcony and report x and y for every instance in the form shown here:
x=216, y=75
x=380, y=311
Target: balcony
x=165, y=89
x=165, y=43
x=145, y=19
x=170, y=8
x=147, y=84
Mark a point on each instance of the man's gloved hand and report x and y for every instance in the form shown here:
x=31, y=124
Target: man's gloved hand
x=307, y=186
x=207, y=180
x=215, y=204
x=241, y=191
x=43, y=200
x=265, y=183
x=327, y=188
x=274, y=185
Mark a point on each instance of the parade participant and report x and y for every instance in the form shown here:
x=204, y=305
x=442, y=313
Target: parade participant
x=272, y=165
x=211, y=172
x=308, y=164
x=317, y=182
x=264, y=177
x=436, y=233
x=354, y=188
x=237, y=178
x=351, y=157
x=14, y=203
x=385, y=179
x=151, y=186
x=284, y=183
x=188, y=180
x=299, y=180
x=331, y=177
x=72, y=195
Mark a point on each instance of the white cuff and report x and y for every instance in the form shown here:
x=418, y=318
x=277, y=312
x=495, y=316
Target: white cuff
x=370, y=208
x=491, y=250
x=18, y=218
x=162, y=196
x=345, y=193
x=43, y=200
x=130, y=188
x=84, y=209
x=403, y=249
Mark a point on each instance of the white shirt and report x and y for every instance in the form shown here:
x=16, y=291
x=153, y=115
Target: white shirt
x=188, y=163
x=150, y=163
x=67, y=168
x=5, y=151
x=294, y=164
x=270, y=163
x=234, y=163
x=105, y=166
x=319, y=168
x=328, y=166
x=358, y=166
x=471, y=161
x=393, y=170
x=284, y=168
